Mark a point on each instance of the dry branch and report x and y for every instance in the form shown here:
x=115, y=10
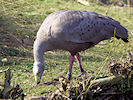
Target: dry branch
x=10, y=92
x=1, y=71
x=7, y=83
x=84, y=2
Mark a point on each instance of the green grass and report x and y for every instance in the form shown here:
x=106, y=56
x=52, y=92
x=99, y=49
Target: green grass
x=22, y=18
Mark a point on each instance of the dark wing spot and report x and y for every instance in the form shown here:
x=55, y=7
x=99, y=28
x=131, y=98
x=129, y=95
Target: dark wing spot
x=104, y=24
x=96, y=30
x=82, y=18
x=82, y=33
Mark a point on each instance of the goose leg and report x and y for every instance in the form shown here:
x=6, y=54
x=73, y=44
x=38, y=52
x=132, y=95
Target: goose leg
x=77, y=56
x=79, y=62
x=71, y=60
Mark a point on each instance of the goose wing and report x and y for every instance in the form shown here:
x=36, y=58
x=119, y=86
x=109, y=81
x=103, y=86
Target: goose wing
x=89, y=27
x=82, y=26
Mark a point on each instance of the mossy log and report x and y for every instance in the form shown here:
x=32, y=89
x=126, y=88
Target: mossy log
x=108, y=81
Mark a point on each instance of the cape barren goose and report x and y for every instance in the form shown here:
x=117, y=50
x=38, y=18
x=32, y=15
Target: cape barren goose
x=73, y=31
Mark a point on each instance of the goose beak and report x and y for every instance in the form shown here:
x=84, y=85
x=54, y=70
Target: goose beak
x=37, y=79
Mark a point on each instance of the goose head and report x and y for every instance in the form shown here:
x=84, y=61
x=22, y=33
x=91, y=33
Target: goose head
x=38, y=69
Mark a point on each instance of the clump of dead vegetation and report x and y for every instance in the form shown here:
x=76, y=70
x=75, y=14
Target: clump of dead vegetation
x=7, y=91
x=118, y=86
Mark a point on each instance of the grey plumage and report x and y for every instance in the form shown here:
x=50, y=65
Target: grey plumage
x=73, y=31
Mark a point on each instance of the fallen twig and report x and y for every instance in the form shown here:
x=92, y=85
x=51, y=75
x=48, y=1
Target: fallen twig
x=1, y=71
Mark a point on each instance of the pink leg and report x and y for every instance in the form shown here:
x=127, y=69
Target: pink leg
x=79, y=61
x=71, y=60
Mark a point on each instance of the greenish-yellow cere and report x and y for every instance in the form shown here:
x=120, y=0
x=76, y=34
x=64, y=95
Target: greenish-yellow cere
x=37, y=78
